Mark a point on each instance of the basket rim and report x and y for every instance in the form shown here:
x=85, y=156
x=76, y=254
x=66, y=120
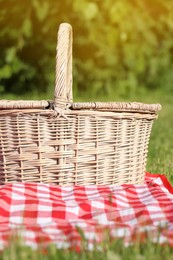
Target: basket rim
x=97, y=106
x=117, y=106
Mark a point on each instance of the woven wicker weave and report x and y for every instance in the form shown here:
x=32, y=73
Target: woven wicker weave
x=66, y=143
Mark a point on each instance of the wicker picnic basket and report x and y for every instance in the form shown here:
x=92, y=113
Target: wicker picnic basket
x=66, y=143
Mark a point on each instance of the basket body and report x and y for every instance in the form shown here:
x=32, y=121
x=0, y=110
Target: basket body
x=86, y=148
x=66, y=143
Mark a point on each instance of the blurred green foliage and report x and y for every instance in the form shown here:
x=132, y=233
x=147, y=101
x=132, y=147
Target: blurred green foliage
x=119, y=46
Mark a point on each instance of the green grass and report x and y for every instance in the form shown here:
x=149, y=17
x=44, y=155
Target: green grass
x=160, y=155
x=160, y=160
x=110, y=250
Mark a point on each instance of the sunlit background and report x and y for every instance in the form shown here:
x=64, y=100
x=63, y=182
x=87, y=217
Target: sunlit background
x=120, y=47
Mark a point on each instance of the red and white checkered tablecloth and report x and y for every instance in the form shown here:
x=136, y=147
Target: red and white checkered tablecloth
x=42, y=214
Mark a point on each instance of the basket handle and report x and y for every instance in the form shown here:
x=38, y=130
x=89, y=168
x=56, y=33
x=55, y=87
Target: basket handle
x=63, y=74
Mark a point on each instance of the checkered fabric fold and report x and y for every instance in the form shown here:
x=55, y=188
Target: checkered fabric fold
x=66, y=216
